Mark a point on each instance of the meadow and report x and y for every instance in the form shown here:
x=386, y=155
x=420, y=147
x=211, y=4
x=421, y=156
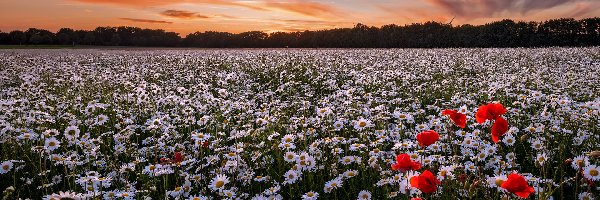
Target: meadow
x=300, y=124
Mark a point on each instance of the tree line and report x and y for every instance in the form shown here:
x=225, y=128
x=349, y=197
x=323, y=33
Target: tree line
x=504, y=33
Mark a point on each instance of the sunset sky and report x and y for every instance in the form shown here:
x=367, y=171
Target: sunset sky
x=187, y=16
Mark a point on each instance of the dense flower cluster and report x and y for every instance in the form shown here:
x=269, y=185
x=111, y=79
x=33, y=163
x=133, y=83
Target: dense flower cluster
x=300, y=124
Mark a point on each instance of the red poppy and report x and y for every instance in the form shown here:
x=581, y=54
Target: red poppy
x=416, y=198
x=489, y=112
x=427, y=138
x=499, y=128
x=426, y=182
x=458, y=118
x=493, y=111
x=403, y=163
x=178, y=157
x=518, y=185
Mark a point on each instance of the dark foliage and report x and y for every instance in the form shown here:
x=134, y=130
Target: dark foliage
x=505, y=33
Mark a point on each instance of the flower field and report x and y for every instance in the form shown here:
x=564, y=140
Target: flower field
x=300, y=124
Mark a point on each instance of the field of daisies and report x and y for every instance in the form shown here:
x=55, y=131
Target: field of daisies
x=300, y=124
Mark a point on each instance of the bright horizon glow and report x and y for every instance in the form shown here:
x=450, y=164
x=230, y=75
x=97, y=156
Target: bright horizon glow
x=188, y=16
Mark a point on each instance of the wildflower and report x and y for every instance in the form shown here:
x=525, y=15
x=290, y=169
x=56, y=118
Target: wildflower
x=499, y=127
x=585, y=196
x=579, y=162
x=72, y=132
x=218, y=183
x=364, y=195
x=65, y=195
x=490, y=111
x=592, y=172
x=404, y=163
x=517, y=184
x=5, y=167
x=311, y=195
x=426, y=182
x=458, y=118
x=362, y=124
x=493, y=111
x=178, y=157
x=427, y=138
x=291, y=176
x=51, y=144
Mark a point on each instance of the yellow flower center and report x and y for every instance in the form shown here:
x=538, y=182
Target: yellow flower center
x=594, y=172
x=499, y=182
x=362, y=124
x=219, y=184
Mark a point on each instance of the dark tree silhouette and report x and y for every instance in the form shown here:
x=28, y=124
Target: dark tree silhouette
x=504, y=33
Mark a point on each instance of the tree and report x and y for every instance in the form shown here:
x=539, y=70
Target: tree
x=504, y=33
x=4, y=38
x=89, y=38
x=67, y=36
x=17, y=37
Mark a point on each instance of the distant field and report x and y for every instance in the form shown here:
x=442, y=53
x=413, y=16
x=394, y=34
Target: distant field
x=299, y=123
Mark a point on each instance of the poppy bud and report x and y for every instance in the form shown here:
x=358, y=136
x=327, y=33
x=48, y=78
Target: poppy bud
x=462, y=178
x=568, y=161
x=178, y=157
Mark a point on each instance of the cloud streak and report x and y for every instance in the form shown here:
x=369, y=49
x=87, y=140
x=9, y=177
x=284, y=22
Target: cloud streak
x=146, y=20
x=181, y=14
x=299, y=7
x=487, y=8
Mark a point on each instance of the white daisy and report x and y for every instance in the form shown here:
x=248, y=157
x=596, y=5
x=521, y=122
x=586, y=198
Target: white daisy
x=592, y=172
x=51, y=144
x=364, y=195
x=361, y=124
x=310, y=196
x=219, y=182
x=71, y=133
x=5, y=167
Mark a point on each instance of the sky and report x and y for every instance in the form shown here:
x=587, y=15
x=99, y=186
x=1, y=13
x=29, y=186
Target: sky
x=188, y=16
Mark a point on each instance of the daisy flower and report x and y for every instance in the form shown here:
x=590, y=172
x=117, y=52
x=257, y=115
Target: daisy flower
x=51, y=144
x=310, y=196
x=579, y=162
x=592, y=172
x=362, y=124
x=71, y=133
x=219, y=182
x=5, y=167
x=364, y=195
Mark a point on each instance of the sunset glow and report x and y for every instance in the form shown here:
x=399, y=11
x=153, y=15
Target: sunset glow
x=187, y=16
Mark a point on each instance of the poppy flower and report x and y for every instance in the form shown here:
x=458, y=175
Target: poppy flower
x=517, y=184
x=427, y=138
x=458, y=118
x=178, y=157
x=489, y=112
x=404, y=163
x=493, y=111
x=499, y=128
x=426, y=182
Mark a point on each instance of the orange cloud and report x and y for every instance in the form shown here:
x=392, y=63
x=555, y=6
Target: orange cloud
x=583, y=9
x=311, y=9
x=181, y=14
x=146, y=20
